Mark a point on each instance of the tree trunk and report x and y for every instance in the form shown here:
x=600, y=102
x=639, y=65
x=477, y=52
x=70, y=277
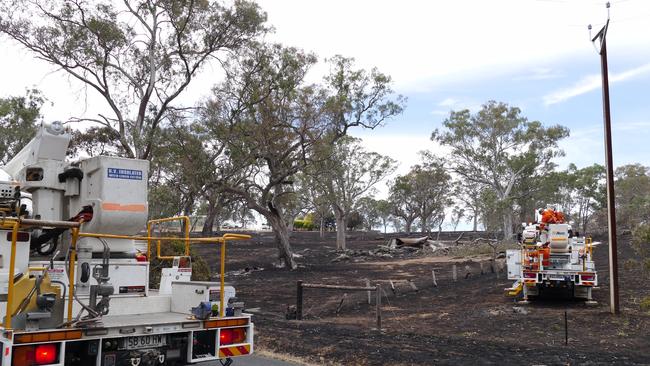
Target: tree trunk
x=475, y=227
x=187, y=211
x=209, y=219
x=507, y=226
x=407, y=226
x=282, y=240
x=340, y=230
x=322, y=228
x=423, y=224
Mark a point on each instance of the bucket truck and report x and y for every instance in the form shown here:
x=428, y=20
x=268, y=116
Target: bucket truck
x=551, y=255
x=73, y=288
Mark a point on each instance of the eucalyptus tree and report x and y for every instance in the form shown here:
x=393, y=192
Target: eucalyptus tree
x=271, y=121
x=18, y=120
x=403, y=202
x=368, y=210
x=138, y=56
x=346, y=174
x=384, y=212
x=431, y=189
x=498, y=148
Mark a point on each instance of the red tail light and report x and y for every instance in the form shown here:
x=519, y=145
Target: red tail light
x=43, y=354
x=530, y=275
x=587, y=277
x=232, y=336
x=46, y=354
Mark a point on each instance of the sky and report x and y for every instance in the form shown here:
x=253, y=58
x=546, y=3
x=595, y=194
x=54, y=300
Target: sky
x=443, y=56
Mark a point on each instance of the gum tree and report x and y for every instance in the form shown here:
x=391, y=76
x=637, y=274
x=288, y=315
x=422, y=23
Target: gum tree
x=498, y=148
x=138, y=56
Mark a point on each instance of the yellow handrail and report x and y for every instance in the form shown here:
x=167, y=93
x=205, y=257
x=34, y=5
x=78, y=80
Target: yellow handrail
x=71, y=279
x=152, y=223
x=12, y=270
x=15, y=224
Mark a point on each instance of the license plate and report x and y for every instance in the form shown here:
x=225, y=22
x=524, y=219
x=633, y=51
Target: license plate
x=559, y=278
x=147, y=341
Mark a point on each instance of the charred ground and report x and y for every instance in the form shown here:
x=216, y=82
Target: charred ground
x=469, y=321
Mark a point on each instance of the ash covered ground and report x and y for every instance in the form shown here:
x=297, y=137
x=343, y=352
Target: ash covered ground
x=468, y=321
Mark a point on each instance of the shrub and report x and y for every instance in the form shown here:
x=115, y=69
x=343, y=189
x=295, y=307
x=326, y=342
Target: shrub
x=200, y=268
x=640, y=239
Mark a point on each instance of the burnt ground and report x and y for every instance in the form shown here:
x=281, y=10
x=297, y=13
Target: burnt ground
x=469, y=321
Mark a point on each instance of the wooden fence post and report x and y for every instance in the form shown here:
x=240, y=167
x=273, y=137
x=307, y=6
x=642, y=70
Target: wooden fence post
x=369, y=292
x=378, y=292
x=299, y=300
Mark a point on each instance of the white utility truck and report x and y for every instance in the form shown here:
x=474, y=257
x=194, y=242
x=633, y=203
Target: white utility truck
x=73, y=288
x=551, y=256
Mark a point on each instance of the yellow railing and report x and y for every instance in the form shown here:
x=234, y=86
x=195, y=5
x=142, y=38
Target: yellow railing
x=152, y=223
x=14, y=224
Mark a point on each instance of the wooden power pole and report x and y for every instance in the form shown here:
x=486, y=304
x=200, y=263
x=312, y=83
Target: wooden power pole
x=611, y=208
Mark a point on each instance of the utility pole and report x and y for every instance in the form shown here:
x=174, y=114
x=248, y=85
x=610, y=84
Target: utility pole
x=611, y=208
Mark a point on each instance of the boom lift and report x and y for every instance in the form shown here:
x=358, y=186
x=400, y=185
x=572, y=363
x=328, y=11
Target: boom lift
x=551, y=256
x=73, y=288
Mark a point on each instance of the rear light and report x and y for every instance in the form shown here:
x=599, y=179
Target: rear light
x=587, y=277
x=232, y=336
x=530, y=275
x=22, y=236
x=42, y=354
x=46, y=354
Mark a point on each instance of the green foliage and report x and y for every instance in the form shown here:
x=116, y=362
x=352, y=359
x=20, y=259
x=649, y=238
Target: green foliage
x=498, y=148
x=200, y=268
x=632, y=187
x=641, y=240
x=423, y=193
x=345, y=173
x=138, y=55
x=354, y=221
x=19, y=117
x=95, y=141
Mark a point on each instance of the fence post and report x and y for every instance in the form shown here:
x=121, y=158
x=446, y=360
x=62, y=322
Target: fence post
x=369, y=292
x=299, y=300
x=378, y=292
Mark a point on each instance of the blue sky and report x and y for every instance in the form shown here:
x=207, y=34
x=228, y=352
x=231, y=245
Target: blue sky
x=539, y=93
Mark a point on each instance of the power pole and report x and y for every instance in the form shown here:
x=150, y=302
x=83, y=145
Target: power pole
x=611, y=208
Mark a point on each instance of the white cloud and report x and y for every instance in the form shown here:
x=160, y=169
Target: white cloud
x=540, y=73
x=592, y=82
x=449, y=102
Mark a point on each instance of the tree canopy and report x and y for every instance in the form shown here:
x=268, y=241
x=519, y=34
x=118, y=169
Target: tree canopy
x=499, y=148
x=139, y=56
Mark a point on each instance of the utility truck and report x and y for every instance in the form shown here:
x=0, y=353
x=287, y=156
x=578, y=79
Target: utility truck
x=73, y=288
x=551, y=255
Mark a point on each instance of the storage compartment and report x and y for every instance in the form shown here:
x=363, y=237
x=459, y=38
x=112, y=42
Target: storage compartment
x=186, y=295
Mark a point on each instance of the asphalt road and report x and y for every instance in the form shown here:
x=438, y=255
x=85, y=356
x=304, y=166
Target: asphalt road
x=255, y=361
